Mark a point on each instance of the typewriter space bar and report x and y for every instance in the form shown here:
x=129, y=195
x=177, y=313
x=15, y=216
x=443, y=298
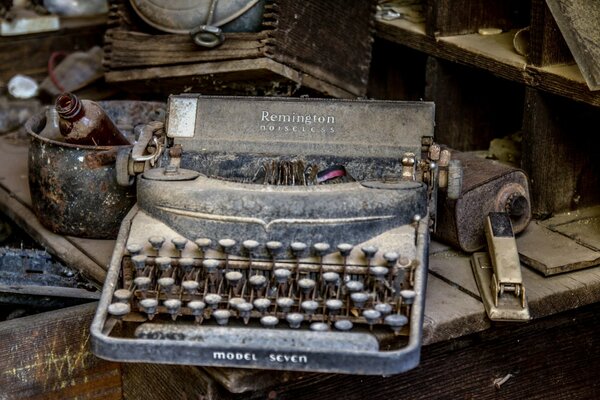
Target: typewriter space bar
x=259, y=337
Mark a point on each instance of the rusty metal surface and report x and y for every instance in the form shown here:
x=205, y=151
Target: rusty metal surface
x=487, y=186
x=73, y=187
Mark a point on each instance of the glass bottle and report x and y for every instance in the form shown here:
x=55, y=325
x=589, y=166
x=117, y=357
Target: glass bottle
x=51, y=129
x=85, y=122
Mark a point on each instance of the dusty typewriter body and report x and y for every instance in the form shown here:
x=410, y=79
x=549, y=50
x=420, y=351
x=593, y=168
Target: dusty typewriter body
x=240, y=254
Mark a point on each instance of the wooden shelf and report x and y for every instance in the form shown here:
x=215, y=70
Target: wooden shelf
x=492, y=53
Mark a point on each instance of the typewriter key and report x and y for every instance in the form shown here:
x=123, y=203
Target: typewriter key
x=294, y=320
x=119, y=309
x=274, y=248
x=235, y=301
x=391, y=257
x=369, y=252
x=186, y=264
x=345, y=249
x=383, y=308
x=309, y=306
x=122, y=295
x=334, y=306
x=354, y=286
x=134, y=249
x=149, y=306
x=163, y=263
x=396, y=322
x=244, y=310
x=142, y=283
x=262, y=304
x=212, y=300
x=306, y=285
x=221, y=316
x=166, y=283
x=233, y=278
x=378, y=272
x=331, y=277
x=250, y=246
x=196, y=307
x=285, y=303
x=269, y=321
x=408, y=296
x=372, y=316
x=179, y=243
x=139, y=261
x=173, y=306
x=258, y=282
x=343, y=325
x=227, y=245
x=320, y=249
x=298, y=249
x=359, y=299
x=190, y=286
x=156, y=242
x=282, y=275
x=319, y=327
x=203, y=244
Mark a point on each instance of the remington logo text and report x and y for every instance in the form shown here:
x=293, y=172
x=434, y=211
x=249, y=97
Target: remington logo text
x=223, y=355
x=297, y=123
x=297, y=119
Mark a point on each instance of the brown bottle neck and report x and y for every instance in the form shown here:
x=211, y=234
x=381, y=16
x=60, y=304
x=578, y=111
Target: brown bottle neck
x=69, y=107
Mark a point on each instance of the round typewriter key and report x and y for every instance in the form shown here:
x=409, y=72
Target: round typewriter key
x=345, y=249
x=331, y=277
x=269, y=321
x=163, y=263
x=262, y=304
x=298, y=248
x=134, y=249
x=383, y=308
x=203, y=243
x=233, y=277
x=172, y=306
x=309, y=306
x=306, y=285
x=343, y=325
x=227, y=245
x=396, y=322
x=250, y=246
x=391, y=257
x=244, y=310
x=379, y=272
x=285, y=303
x=274, y=248
x=319, y=327
x=408, y=296
x=166, y=283
x=179, y=242
x=186, y=264
x=142, y=282
x=371, y=316
x=210, y=265
x=282, y=275
x=321, y=248
x=190, y=286
x=354, y=286
x=258, y=281
x=221, y=316
x=212, y=300
x=294, y=320
x=156, y=242
x=196, y=307
x=149, y=306
x=369, y=251
x=334, y=306
x=139, y=261
x=122, y=295
x=119, y=309
x=359, y=299
x=235, y=301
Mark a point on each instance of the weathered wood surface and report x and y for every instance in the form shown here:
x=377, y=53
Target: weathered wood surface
x=547, y=45
x=47, y=356
x=582, y=226
x=493, y=53
x=91, y=257
x=578, y=22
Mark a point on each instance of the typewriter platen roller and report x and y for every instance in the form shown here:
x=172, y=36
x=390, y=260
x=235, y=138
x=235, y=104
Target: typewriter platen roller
x=280, y=234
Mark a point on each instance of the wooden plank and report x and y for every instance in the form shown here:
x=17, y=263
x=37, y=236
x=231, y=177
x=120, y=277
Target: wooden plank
x=546, y=43
x=559, y=153
x=582, y=226
x=47, y=356
x=493, y=53
x=578, y=22
x=551, y=253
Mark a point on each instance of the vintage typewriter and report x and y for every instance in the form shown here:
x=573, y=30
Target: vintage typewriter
x=275, y=233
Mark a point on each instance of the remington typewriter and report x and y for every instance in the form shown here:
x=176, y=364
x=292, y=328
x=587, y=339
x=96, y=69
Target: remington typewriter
x=275, y=233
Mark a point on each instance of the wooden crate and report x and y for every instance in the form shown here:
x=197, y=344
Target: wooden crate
x=321, y=46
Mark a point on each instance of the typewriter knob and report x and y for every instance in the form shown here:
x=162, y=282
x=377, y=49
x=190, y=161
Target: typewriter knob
x=285, y=303
x=309, y=306
x=331, y=277
x=345, y=249
x=274, y=248
x=212, y=299
x=163, y=263
x=149, y=306
x=203, y=244
x=269, y=321
x=233, y=278
x=258, y=281
x=227, y=245
x=250, y=246
x=139, y=261
x=190, y=286
x=197, y=307
x=156, y=242
x=173, y=306
x=179, y=242
x=210, y=265
x=306, y=285
x=359, y=299
x=119, y=309
x=298, y=249
x=408, y=296
x=343, y=325
x=383, y=308
x=222, y=316
x=369, y=251
x=244, y=310
x=320, y=249
x=134, y=249
x=379, y=272
x=186, y=264
x=396, y=322
x=262, y=304
x=319, y=327
x=122, y=295
x=282, y=275
x=166, y=283
x=391, y=257
x=142, y=283
x=334, y=306
x=354, y=286
x=372, y=316
x=295, y=320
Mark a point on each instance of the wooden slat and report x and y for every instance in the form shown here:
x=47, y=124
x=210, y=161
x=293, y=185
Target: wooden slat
x=494, y=54
x=47, y=356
